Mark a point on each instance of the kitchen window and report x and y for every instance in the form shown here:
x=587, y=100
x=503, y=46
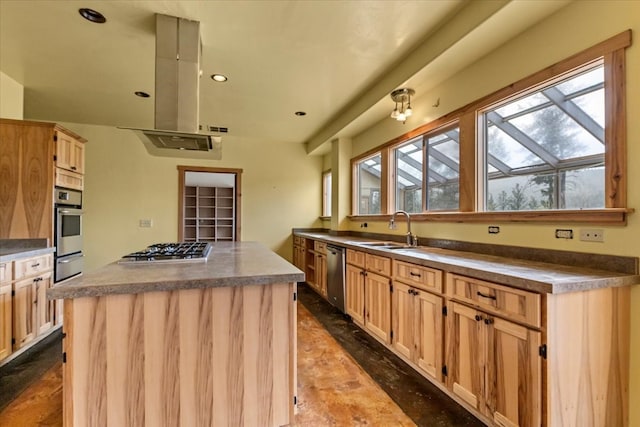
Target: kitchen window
x=326, y=194
x=442, y=151
x=545, y=150
x=550, y=147
x=369, y=179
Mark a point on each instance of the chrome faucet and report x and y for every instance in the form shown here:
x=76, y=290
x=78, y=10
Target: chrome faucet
x=412, y=239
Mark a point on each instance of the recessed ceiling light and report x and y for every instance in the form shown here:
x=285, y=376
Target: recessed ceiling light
x=142, y=94
x=92, y=15
x=219, y=77
x=300, y=113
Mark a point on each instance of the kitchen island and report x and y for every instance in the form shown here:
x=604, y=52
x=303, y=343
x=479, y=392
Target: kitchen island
x=198, y=343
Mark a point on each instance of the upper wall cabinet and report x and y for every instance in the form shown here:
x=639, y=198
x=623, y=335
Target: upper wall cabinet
x=28, y=173
x=69, y=151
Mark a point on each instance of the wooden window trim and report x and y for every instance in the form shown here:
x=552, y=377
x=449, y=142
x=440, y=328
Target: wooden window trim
x=182, y=170
x=610, y=216
x=615, y=212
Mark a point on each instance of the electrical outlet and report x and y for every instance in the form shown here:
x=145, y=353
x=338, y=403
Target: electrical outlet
x=564, y=233
x=592, y=235
x=145, y=223
x=494, y=229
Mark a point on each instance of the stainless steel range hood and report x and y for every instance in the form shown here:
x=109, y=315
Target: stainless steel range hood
x=177, y=85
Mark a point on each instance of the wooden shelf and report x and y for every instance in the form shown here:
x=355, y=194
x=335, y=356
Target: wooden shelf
x=209, y=214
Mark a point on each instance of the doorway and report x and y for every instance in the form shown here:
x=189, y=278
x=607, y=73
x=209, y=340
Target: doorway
x=208, y=204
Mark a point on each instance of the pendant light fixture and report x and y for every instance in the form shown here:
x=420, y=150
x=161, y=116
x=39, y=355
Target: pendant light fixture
x=402, y=96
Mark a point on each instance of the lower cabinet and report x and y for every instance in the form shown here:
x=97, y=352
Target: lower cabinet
x=377, y=305
x=354, y=299
x=24, y=312
x=494, y=366
x=45, y=307
x=321, y=274
x=418, y=328
x=6, y=314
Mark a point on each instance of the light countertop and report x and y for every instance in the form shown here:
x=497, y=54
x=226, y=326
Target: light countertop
x=228, y=264
x=523, y=274
x=13, y=249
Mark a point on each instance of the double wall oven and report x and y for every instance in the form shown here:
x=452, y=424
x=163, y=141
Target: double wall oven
x=69, y=259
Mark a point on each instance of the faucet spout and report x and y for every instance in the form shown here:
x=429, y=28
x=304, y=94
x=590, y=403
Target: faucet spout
x=411, y=239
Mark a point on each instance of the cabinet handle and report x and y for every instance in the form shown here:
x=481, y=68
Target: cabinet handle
x=73, y=168
x=493, y=297
x=478, y=318
x=488, y=321
x=415, y=274
x=35, y=265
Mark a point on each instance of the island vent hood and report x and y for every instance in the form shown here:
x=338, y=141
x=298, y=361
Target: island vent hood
x=177, y=85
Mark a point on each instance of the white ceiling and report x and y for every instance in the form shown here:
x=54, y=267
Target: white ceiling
x=335, y=60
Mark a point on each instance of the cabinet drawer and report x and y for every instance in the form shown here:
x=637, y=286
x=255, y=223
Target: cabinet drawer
x=509, y=302
x=5, y=272
x=296, y=240
x=378, y=264
x=32, y=266
x=68, y=179
x=355, y=258
x=425, y=278
x=320, y=247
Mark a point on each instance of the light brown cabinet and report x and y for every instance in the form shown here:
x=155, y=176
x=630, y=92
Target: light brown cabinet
x=417, y=320
x=25, y=312
x=354, y=293
x=493, y=365
x=33, y=314
x=368, y=292
x=320, y=284
x=69, y=152
x=27, y=154
x=6, y=314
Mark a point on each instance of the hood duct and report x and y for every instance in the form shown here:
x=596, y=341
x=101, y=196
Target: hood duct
x=177, y=88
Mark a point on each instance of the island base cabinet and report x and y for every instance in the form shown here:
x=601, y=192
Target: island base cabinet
x=199, y=357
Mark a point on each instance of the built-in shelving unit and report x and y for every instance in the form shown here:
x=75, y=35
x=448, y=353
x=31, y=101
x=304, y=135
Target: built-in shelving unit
x=209, y=214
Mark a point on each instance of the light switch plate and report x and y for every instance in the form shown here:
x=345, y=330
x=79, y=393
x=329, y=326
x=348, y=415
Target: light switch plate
x=145, y=223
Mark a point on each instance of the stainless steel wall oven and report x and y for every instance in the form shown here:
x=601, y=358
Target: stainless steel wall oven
x=69, y=259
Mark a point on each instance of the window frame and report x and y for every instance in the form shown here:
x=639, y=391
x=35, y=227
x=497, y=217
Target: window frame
x=326, y=195
x=612, y=53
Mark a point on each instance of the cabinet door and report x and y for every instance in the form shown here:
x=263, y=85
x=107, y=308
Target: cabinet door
x=428, y=333
x=69, y=153
x=514, y=374
x=24, y=312
x=465, y=354
x=355, y=294
x=77, y=157
x=44, y=307
x=377, y=305
x=64, y=150
x=5, y=321
x=403, y=309
x=321, y=274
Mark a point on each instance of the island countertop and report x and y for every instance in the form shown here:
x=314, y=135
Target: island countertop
x=228, y=264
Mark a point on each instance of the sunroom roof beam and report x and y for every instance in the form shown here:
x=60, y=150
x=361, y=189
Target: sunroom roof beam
x=522, y=138
x=575, y=112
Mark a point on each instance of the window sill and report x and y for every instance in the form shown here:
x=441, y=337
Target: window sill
x=612, y=216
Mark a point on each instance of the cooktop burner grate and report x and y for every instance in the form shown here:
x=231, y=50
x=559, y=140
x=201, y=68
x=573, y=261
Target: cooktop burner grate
x=176, y=252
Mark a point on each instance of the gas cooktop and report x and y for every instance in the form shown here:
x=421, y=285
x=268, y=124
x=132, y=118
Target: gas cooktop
x=170, y=252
